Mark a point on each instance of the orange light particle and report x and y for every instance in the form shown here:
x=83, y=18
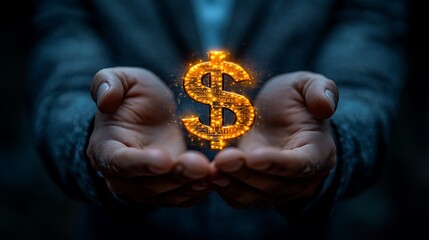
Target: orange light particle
x=218, y=99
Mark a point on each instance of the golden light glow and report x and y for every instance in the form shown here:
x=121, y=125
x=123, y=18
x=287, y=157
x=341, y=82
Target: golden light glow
x=218, y=99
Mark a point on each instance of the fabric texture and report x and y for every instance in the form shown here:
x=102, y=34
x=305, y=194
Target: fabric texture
x=356, y=43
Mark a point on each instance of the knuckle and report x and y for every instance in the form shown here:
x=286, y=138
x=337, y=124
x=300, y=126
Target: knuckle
x=101, y=74
x=145, y=73
x=139, y=74
x=304, y=74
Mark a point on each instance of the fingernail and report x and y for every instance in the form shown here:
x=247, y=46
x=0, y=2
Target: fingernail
x=221, y=181
x=199, y=186
x=102, y=89
x=331, y=97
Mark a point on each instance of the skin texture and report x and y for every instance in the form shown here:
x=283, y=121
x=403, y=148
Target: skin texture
x=289, y=150
x=137, y=145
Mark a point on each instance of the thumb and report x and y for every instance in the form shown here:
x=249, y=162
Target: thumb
x=107, y=91
x=321, y=96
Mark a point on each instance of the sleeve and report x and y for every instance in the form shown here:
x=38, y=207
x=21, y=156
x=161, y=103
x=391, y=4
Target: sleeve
x=67, y=52
x=363, y=53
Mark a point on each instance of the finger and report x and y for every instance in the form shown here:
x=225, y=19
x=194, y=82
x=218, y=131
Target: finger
x=152, y=186
x=114, y=158
x=320, y=93
x=271, y=184
x=110, y=86
x=182, y=196
x=296, y=163
x=107, y=90
x=268, y=183
x=148, y=185
x=229, y=160
x=189, y=167
x=240, y=195
x=193, y=165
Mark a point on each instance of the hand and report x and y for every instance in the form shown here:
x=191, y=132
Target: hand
x=289, y=150
x=136, y=142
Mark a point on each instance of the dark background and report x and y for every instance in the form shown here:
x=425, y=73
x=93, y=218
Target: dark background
x=32, y=206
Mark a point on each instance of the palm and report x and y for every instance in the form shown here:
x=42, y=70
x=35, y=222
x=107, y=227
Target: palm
x=144, y=118
x=137, y=144
x=289, y=150
x=284, y=121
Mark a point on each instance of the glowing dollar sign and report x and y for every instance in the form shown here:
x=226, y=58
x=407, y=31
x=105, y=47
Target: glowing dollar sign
x=218, y=99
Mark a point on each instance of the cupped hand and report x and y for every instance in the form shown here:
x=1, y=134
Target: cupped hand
x=136, y=142
x=289, y=150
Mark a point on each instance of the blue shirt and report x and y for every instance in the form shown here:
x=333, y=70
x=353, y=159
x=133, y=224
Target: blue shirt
x=212, y=18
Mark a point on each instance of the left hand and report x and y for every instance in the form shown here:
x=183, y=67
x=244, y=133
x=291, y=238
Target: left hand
x=289, y=150
x=136, y=142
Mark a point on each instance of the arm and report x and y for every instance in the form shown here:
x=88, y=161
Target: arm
x=124, y=138
x=362, y=54
x=66, y=55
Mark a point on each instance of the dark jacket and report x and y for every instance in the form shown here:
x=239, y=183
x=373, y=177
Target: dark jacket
x=356, y=43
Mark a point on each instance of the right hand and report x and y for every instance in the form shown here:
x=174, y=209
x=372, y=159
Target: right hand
x=290, y=149
x=136, y=142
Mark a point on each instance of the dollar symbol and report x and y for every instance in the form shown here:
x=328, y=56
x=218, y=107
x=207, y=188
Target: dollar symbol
x=218, y=99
